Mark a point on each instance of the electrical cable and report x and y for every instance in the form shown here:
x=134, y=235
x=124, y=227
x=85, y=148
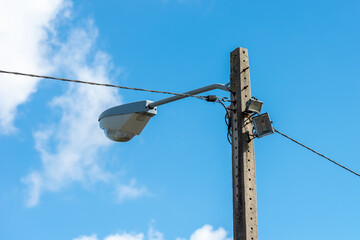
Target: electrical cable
x=227, y=120
x=102, y=84
x=338, y=164
x=208, y=98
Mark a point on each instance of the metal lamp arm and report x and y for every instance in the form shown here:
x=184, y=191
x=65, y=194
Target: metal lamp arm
x=190, y=93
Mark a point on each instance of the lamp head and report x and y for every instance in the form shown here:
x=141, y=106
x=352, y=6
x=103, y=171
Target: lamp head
x=253, y=106
x=262, y=125
x=123, y=122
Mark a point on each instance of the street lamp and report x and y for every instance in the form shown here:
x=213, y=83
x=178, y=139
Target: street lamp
x=123, y=122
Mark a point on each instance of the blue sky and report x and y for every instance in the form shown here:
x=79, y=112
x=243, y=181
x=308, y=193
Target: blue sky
x=61, y=178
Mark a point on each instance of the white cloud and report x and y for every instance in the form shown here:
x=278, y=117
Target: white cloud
x=125, y=236
x=130, y=191
x=154, y=234
x=23, y=29
x=92, y=237
x=204, y=233
x=207, y=233
x=69, y=148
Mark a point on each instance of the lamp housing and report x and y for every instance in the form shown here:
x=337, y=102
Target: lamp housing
x=253, y=106
x=123, y=122
x=262, y=125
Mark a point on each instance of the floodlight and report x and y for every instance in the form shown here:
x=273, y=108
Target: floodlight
x=123, y=122
x=262, y=125
x=253, y=106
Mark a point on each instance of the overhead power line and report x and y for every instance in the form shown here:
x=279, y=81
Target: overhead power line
x=338, y=164
x=206, y=98
x=103, y=84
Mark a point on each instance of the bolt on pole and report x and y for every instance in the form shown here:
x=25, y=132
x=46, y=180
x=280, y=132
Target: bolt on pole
x=243, y=158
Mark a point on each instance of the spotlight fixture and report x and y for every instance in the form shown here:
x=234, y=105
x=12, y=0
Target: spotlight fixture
x=253, y=106
x=262, y=125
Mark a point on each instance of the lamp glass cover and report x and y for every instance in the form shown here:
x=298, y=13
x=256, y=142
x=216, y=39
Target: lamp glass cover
x=253, y=106
x=118, y=135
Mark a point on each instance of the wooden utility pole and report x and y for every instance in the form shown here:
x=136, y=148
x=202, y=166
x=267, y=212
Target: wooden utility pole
x=243, y=158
